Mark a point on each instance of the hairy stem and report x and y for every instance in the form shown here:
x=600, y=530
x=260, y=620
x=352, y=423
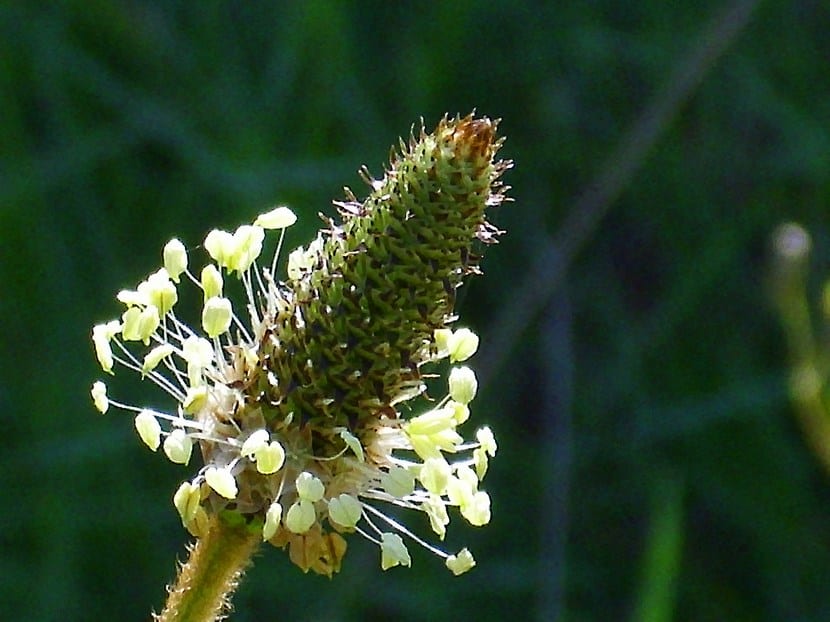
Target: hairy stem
x=207, y=580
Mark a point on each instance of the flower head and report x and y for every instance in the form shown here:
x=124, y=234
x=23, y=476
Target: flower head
x=293, y=402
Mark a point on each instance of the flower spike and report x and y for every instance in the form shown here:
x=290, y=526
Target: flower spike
x=294, y=405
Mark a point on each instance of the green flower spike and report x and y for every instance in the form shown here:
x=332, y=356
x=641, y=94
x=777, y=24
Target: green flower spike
x=294, y=405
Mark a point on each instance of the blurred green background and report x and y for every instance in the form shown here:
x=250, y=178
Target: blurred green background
x=634, y=370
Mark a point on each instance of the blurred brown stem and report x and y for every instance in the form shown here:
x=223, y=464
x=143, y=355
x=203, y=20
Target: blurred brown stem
x=554, y=258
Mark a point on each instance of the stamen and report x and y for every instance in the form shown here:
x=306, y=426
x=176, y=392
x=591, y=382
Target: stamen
x=396, y=525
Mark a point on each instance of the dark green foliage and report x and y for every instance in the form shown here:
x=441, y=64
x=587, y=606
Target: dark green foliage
x=125, y=123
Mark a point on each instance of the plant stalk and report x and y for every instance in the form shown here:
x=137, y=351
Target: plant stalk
x=207, y=580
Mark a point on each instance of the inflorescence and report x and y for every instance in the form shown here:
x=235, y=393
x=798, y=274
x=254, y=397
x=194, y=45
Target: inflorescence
x=295, y=402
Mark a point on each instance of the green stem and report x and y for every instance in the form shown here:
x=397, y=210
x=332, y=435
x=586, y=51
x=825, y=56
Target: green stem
x=808, y=376
x=207, y=580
